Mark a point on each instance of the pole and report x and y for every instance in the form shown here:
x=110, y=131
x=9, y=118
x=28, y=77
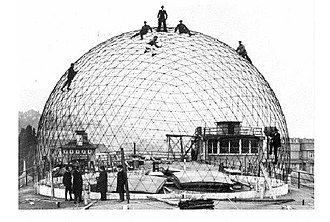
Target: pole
x=298, y=179
x=24, y=170
x=33, y=173
x=169, y=146
x=181, y=146
x=38, y=176
x=134, y=147
x=125, y=173
x=51, y=174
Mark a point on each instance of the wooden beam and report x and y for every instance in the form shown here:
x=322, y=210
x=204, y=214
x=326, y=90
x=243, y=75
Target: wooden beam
x=262, y=200
x=181, y=148
x=172, y=203
x=191, y=144
x=89, y=205
x=178, y=135
x=125, y=172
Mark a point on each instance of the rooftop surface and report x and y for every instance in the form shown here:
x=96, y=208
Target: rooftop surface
x=303, y=200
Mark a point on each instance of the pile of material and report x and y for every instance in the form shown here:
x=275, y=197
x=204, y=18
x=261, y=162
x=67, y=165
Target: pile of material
x=196, y=204
x=203, y=181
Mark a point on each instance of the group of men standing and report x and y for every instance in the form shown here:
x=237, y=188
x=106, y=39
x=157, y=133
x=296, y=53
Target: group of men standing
x=73, y=182
x=102, y=182
x=162, y=17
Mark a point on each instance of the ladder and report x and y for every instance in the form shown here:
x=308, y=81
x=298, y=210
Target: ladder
x=267, y=180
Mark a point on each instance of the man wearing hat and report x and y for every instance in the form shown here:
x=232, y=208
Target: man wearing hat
x=242, y=51
x=121, y=181
x=144, y=30
x=276, y=139
x=102, y=183
x=162, y=16
x=77, y=184
x=67, y=181
x=182, y=28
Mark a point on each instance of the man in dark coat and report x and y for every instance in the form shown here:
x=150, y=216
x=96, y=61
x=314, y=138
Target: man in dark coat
x=153, y=44
x=276, y=139
x=77, y=185
x=182, y=28
x=71, y=75
x=242, y=51
x=162, y=16
x=144, y=30
x=121, y=181
x=102, y=183
x=67, y=182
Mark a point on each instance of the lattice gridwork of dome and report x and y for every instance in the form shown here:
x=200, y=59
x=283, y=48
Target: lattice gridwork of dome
x=194, y=110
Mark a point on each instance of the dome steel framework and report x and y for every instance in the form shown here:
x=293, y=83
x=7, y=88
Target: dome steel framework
x=125, y=98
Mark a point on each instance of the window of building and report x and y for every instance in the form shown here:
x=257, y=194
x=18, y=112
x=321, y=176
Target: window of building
x=311, y=155
x=254, y=146
x=215, y=146
x=224, y=146
x=245, y=145
x=234, y=146
x=209, y=146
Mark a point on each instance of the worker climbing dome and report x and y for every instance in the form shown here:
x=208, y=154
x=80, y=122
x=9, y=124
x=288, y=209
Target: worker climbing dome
x=193, y=105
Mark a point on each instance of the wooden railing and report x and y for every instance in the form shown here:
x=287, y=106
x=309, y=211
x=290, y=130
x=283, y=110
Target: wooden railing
x=255, y=131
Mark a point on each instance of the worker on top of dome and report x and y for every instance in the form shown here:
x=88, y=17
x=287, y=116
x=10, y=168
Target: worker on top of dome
x=242, y=51
x=162, y=16
x=182, y=28
x=71, y=74
x=153, y=44
x=144, y=30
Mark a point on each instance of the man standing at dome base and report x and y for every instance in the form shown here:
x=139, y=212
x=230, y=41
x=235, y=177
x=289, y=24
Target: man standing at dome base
x=77, y=185
x=121, y=181
x=102, y=183
x=67, y=182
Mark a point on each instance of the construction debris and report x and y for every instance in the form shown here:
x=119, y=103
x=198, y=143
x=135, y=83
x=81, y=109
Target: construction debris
x=275, y=201
x=167, y=190
x=196, y=204
x=172, y=203
x=89, y=205
x=139, y=183
x=286, y=207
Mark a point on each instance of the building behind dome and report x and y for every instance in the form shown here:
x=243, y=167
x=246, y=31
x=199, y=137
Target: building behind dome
x=163, y=107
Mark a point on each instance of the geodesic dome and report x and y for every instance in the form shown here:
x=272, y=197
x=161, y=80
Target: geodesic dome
x=123, y=97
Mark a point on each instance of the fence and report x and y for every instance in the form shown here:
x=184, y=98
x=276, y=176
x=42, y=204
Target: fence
x=302, y=179
x=30, y=175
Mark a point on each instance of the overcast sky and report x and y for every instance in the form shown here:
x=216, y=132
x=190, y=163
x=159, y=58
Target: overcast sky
x=278, y=35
